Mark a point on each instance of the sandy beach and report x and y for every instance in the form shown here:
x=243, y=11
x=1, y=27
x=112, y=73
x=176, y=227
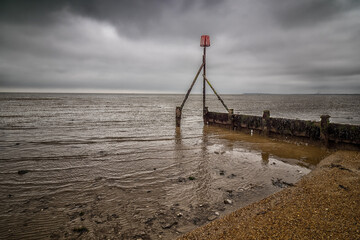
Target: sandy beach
x=323, y=205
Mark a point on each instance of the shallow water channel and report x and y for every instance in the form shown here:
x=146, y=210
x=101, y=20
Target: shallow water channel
x=204, y=178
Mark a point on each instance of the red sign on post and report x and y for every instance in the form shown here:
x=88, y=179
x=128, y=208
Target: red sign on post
x=205, y=41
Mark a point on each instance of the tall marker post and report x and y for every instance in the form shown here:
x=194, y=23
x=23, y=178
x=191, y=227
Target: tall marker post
x=204, y=42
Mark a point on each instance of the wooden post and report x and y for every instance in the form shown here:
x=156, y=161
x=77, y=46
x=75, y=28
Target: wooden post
x=204, y=42
x=178, y=116
x=324, y=134
x=266, y=123
x=206, y=121
x=231, y=118
x=204, y=85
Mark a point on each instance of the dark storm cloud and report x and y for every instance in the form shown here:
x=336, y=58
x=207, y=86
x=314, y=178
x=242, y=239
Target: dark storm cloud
x=138, y=45
x=123, y=14
x=33, y=12
x=294, y=13
x=17, y=10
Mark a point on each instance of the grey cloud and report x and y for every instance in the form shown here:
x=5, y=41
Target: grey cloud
x=294, y=13
x=257, y=46
x=133, y=17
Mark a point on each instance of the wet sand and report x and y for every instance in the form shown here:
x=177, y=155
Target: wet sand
x=323, y=205
x=159, y=191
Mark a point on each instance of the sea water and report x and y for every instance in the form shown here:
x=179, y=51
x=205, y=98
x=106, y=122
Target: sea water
x=115, y=166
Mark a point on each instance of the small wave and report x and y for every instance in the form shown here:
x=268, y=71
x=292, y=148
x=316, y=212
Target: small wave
x=46, y=158
x=18, y=128
x=63, y=142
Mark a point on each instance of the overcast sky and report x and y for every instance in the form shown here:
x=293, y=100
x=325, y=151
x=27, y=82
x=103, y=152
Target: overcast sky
x=262, y=46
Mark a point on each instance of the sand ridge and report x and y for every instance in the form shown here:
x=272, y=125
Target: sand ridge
x=323, y=205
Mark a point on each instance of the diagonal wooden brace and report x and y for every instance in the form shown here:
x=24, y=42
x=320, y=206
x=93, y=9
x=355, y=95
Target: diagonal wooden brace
x=179, y=109
x=227, y=109
x=188, y=92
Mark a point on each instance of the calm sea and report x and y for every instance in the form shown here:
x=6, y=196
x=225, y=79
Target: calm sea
x=101, y=165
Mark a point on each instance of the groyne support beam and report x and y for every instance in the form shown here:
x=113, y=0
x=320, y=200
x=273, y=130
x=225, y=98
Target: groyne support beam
x=179, y=109
x=227, y=109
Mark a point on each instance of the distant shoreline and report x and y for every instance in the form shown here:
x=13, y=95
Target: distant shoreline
x=160, y=93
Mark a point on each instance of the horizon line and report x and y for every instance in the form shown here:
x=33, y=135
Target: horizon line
x=163, y=93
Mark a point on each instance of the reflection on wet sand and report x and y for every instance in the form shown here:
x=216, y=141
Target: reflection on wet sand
x=305, y=154
x=265, y=158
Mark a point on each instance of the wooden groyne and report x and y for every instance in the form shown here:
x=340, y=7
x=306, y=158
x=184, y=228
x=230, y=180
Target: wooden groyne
x=319, y=131
x=323, y=131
